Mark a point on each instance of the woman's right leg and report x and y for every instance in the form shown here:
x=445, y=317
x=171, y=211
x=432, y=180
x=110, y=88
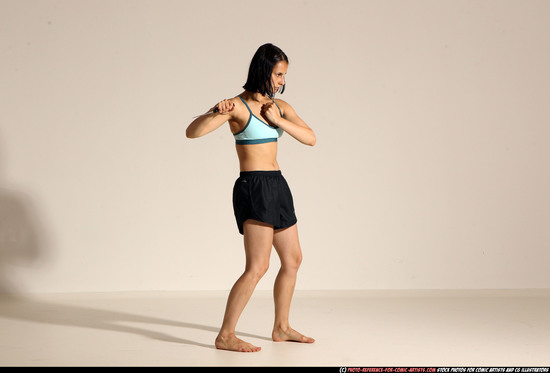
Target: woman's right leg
x=258, y=241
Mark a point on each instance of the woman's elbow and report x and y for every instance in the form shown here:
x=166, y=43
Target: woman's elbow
x=312, y=141
x=192, y=134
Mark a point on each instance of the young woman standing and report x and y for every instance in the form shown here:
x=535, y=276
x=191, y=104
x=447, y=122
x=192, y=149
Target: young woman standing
x=262, y=200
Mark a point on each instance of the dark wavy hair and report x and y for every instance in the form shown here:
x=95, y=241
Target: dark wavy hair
x=261, y=68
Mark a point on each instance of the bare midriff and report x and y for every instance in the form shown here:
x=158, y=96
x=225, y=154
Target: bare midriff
x=258, y=157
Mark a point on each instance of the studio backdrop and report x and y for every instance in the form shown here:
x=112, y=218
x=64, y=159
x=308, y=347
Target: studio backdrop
x=431, y=168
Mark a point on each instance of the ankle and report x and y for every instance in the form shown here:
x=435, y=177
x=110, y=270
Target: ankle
x=225, y=335
x=281, y=327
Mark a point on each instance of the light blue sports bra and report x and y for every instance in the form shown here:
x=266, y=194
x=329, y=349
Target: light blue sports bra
x=257, y=131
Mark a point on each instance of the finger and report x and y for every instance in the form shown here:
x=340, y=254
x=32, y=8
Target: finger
x=221, y=106
x=228, y=106
x=225, y=106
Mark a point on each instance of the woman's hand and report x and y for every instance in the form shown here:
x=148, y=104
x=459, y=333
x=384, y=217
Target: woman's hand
x=271, y=114
x=225, y=107
x=291, y=123
x=208, y=122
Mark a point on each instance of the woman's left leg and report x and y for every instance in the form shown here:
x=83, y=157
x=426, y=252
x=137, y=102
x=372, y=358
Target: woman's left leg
x=287, y=245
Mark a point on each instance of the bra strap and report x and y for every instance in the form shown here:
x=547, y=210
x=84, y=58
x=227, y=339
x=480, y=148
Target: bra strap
x=280, y=112
x=246, y=104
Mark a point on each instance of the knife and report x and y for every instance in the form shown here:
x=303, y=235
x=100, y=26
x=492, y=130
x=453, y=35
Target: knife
x=210, y=112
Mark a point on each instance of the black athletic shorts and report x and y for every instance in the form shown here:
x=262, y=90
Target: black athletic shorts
x=263, y=196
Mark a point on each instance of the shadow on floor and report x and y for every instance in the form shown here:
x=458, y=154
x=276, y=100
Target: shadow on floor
x=23, y=241
x=26, y=309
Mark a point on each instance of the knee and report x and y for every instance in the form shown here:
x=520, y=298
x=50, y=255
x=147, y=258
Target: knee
x=293, y=263
x=257, y=271
x=298, y=260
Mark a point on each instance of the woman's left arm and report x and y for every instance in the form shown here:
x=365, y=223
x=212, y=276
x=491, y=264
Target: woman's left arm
x=290, y=122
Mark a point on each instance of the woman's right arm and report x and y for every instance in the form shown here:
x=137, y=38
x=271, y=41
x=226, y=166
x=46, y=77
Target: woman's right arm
x=210, y=122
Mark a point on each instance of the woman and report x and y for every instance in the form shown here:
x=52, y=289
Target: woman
x=262, y=201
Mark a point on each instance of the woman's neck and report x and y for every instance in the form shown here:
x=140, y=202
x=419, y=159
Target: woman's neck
x=255, y=96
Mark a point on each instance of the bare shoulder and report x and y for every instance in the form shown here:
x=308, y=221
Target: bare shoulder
x=239, y=113
x=237, y=103
x=281, y=102
x=284, y=106
x=235, y=99
x=289, y=113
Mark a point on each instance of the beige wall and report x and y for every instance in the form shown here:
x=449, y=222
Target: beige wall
x=431, y=168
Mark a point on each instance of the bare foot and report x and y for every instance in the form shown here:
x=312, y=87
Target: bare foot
x=232, y=343
x=291, y=335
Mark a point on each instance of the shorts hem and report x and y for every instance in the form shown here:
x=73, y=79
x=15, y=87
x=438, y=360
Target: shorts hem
x=275, y=227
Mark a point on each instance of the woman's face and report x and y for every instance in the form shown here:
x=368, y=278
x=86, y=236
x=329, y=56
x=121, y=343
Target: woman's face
x=278, y=75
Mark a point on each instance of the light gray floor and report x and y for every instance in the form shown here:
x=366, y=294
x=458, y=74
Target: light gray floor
x=351, y=328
